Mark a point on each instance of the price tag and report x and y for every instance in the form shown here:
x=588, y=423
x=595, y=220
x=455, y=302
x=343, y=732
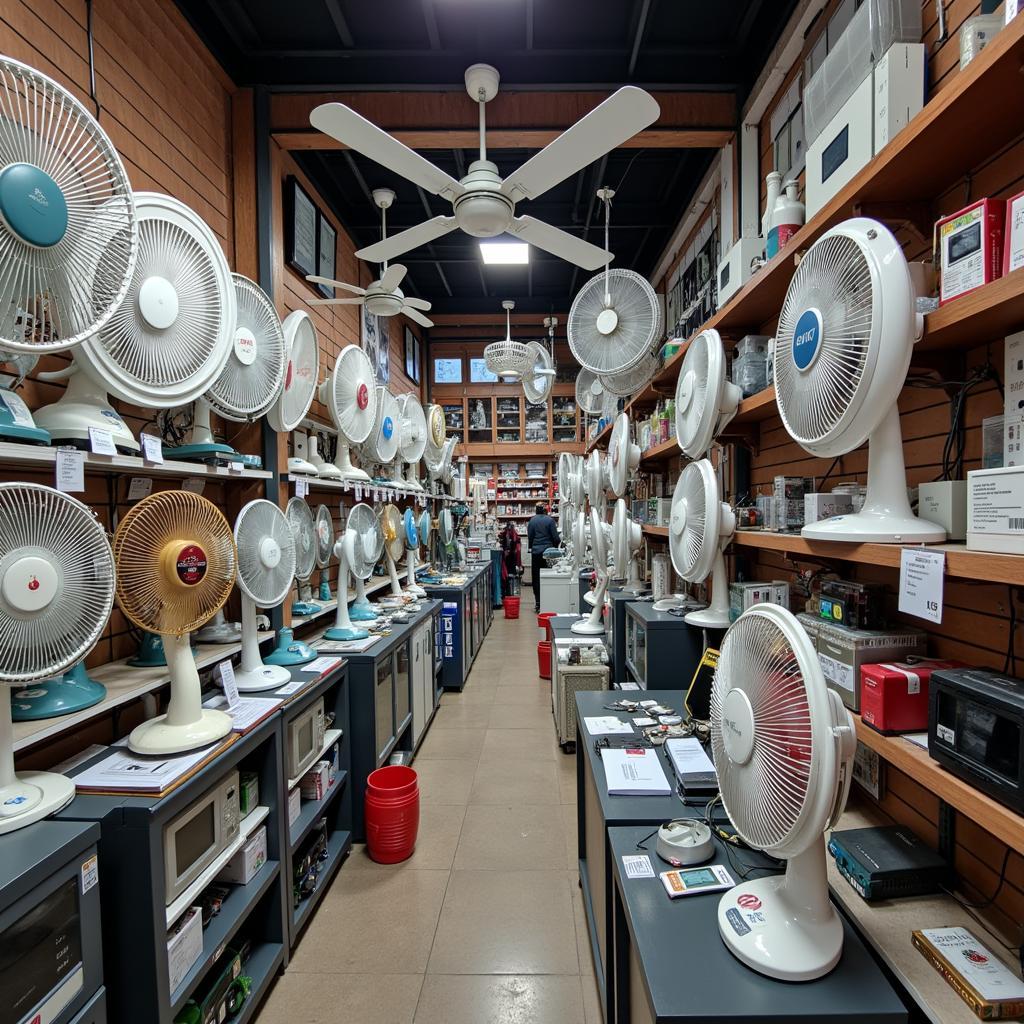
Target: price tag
x=638, y=865
x=152, y=448
x=921, y=579
x=301, y=487
x=101, y=442
x=227, y=681
x=139, y=488
x=359, y=492
x=376, y=494
x=345, y=484
x=236, y=467
x=90, y=873
x=70, y=470
x=194, y=484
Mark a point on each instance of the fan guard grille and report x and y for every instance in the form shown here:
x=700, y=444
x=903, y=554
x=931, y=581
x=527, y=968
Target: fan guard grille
x=262, y=534
x=536, y=383
x=630, y=381
x=414, y=428
x=589, y=392
x=692, y=507
x=508, y=358
x=353, y=404
x=392, y=531
x=368, y=540
x=301, y=373
x=324, y=527
x=382, y=444
x=300, y=519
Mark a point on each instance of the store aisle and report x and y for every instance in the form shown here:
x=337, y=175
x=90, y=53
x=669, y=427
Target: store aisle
x=484, y=924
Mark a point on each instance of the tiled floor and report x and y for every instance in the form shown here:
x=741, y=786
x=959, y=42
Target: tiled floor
x=484, y=924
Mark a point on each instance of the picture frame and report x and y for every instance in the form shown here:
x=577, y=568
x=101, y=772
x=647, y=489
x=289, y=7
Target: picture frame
x=412, y=356
x=326, y=253
x=376, y=343
x=300, y=228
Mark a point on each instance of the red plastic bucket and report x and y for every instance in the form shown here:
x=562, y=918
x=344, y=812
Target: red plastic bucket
x=544, y=622
x=511, y=605
x=544, y=659
x=392, y=805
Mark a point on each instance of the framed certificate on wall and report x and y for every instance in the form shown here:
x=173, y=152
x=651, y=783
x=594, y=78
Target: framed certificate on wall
x=300, y=236
x=326, y=248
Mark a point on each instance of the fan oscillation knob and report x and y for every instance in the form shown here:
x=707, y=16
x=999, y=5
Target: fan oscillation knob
x=738, y=726
x=30, y=584
x=270, y=552
x=158, y=302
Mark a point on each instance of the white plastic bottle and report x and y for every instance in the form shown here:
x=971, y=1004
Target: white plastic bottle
x=773, y=186
x=787, y=218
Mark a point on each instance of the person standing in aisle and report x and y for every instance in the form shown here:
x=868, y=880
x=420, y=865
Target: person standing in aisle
x=511, y=559
x=541, y=534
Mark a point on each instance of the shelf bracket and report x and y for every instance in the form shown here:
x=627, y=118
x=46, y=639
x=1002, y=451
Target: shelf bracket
x=916, y=217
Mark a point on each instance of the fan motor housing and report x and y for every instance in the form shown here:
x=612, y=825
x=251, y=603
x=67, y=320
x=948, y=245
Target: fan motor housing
x=482, y=210
x=384, y=303
x=32, y=205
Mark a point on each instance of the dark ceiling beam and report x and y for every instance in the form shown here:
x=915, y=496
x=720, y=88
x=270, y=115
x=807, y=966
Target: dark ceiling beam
x=750, y=12
x=234, y=16
x=638, y=35
x=340, y=25
x=483, y=280
x=430, y=20
x=460, y=163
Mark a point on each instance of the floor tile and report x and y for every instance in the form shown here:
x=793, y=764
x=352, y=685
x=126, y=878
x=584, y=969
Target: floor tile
x=462, y=716
x=524, y=784
x=444, y=780
x=571, y=835
x=511, y=838
x=367, y=998
x=521, y=716
x=511, y=694
x=503, y=999
x=591, y=1000
x=518, y=745
x=436, y=842
x=453, y=744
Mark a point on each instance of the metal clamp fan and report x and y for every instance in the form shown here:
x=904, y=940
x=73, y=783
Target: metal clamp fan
x=540, y=378
x=508, y=358
x=623, y=456
x=846, y=334
x=266, y=566
x=413, y=441
x=593, y=624
x=56, y=593
x=381, y=447
x=627, y=539
x=783, y=745
x=362, y=609
x=351, y=398
x=413, y=538
x=300, y=519
x=324, y=529
x=301, y=375
x=393, y=531
x=615, y=319
x=700, y=529
x=705, y=400
x=357, y=550
x=176, y=564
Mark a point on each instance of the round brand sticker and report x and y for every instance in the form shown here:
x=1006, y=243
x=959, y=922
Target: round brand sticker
x=807, y=339
x=975, y=956
x=748, y=901
x=362, y=396
x=191, y=564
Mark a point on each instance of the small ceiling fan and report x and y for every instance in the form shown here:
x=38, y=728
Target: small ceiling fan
x=383, y=297
x=483, y=203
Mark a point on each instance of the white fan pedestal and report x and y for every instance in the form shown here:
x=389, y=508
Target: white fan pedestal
x=252, y=675
x=202, y=445
x=343, y=628
x=411, y=585
x=83, y=405
x=326, y=470
x=396, y=586
x=802, y=936
x=187, y=724
x=716, y=615
x=361, y=610
x=219, y=631
x=886, y=517
x=593, y=624
x=343, y=463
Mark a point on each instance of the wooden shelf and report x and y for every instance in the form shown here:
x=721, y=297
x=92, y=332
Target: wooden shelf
x=1000, y=821
x=655, y=531
x=315, y=483
x=660, y=452
x=986, y=566
x=989, y=312
x=755, y=408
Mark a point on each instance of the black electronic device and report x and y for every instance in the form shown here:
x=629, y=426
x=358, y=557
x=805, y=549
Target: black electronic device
x=887, y=862
x=976, y=730
x=698, y=696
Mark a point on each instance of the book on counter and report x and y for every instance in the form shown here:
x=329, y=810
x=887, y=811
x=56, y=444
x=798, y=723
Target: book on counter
x=634, y=771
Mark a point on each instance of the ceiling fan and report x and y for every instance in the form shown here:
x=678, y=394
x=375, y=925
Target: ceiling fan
x=484, y=204
x=383, y=297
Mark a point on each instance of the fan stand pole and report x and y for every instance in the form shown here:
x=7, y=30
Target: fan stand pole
x=396, y=587
x=7, y=776
x=343, y=628
x=362, y=610
x=343, y=463
x=716, y=615
x=186, y=704
x=253, y=674
x=202, y=428
x=592, y=625
x=411, y=585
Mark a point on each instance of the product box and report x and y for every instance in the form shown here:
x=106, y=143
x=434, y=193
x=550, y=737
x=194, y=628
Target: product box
x=745, y=595
x=1013, y=240
x=995, y=510
x=970, y=246
x=857, y=605
x=894, y=694
x=818, y=506
x=247, y=861
x=184, y=945
x=944, y=502
x=1013, y=375
x=294, y=805
x=248, y=792
x=316, y=781
x=992, y=441
x=842, y=653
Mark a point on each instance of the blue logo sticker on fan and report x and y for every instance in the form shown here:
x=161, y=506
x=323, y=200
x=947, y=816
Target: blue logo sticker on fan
x=807, y=338
x=387, y=428
x=32, y=205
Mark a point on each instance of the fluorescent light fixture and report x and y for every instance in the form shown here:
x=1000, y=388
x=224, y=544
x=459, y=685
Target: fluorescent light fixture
x=506, y=253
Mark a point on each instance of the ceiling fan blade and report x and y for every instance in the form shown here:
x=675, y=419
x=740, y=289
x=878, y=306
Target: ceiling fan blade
x=392, y=277
x=314, y=279
x=607, y=126
x=417, y=317
x=413, y=238
x=336, y=302
x=345, y=125
x=560, y=243
x=417, y=303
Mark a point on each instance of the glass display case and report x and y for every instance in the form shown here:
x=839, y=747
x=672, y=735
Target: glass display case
x=537, y=424
x=563, y=419
x=636, y=649
x=509, y=421
x=481, y=421
x=454, y=420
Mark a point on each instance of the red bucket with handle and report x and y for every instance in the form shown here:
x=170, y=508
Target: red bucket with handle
x=544, y=659
x=392, y=805
x=511, y=605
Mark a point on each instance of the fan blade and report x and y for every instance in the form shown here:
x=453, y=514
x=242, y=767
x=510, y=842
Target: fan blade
x=607, y=126
x=314, y=279
x=392, y=277
x=413, y=238
x=336, y=302
x=345, y=125
x=417, y=317
x=559, y=243
x=417, y=303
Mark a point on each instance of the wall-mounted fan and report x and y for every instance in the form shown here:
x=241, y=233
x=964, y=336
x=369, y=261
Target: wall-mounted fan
x=303, y=526
x=393, y=530
x=705, y=400
x=484, y=204
x=846, y=334
x=539, y=379
x=593, y=624
x=324, y=529
x=381, y=446
x=176, y=564
x=351, y=398
x=623, y=456
x=354, y=550
x=301, y=373
x=56, y=593
x=783, y=746
x=413, y=439
x=589, y=392
x=508, y=358
x=700, y=529
x=633, y=380
x=266, y=567
x=627, y=539
x=596, y=479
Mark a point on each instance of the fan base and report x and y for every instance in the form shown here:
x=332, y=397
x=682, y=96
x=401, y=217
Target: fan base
x=354, y=473
x=305, y=608
x=587, y=628
x=55, y=697
x=301, y=466
x=362, y=611
x=708, y=618
x=31, y=797
x=875, y=528
x=328, y=471
x=290, y=651
x=346, y=633
x=219, y=633
x=157, y=737
x=415, y=590
x=266, y=677
x=213, y=454
x=787, y=945
x=22, y=435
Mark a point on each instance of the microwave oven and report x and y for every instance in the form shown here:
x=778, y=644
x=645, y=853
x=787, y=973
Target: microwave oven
x=305, y=738
x=199, y=834
x=976, y=730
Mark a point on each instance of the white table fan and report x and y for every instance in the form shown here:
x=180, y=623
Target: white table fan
x=393, y=531
x=593, y=624
x=362, y=609
x=413, y=441
x=56, y=594
x=381, y=445
x=355, y=550
x=623, y=456
x=783, y=745
x=413, y=528
x=846, y=334
x=324, y=469
x=298, y=388
x=303, y=527
x=705, y=399
x=351, y=399
x=700, y=528
x=324, y=527
x=627, y=539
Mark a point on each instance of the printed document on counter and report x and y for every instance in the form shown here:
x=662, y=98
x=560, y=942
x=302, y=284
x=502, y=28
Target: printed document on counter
x=635, y=772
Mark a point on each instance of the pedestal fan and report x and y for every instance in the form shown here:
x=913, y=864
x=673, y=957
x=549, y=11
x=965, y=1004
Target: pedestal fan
x=594, y=624
x=381, y=445
x=361, y=609
x=357, y=551
x=414, y=438
x=412, y=526
x=176, y=564
x=700, y=529
x=783, y=746
x=301, y=375
x=393, y=531
x=351, y=399
x=705, y=400
x=623, y=456
x=300, y=519
x=324, y=525
x=266, y=566
x=627, y=539
x=56, y=593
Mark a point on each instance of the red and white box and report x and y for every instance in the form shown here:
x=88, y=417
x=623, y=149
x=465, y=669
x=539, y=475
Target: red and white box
x=1013, y=236
x=970, y=244
x=894, y=694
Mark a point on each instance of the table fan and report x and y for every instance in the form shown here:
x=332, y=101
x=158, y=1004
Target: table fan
x=301, y=375
x=783, y=746
x=351, y=399
x=357, y=551
x=362, y=609
x=300, y=519
x=700, y=528
x=435, y=431
x=627, y=538
x=303, y=449
x=705, y=400
x=846, y=334
x=589, y=392
x=176, y=564
x=165, y=344
x=381, y=446
x=615, y=318
x=413, y=441
x=540, y=378
x=324, y=525
x=413, y=528
x=252, y=378
x=393, y=531
x=446, y=534
x=623, y=456
x=594, y=624
x=56, y=593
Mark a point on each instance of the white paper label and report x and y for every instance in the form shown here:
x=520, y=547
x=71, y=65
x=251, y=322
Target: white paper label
x=227, y=681
x=70, y=470
x=290, y=688
x=638, y=865
x=301, y=487
x=921, y=578
x=101, y=442
x=139, y=488
x=152, y=448
x=194, y=484
x=236, y=467
x=994, y=503
x=16, y=406
x=376, y=494
x=945, y=733
x=359, y=492
x=90, y=873
x=320, y=665
x=836, y=672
